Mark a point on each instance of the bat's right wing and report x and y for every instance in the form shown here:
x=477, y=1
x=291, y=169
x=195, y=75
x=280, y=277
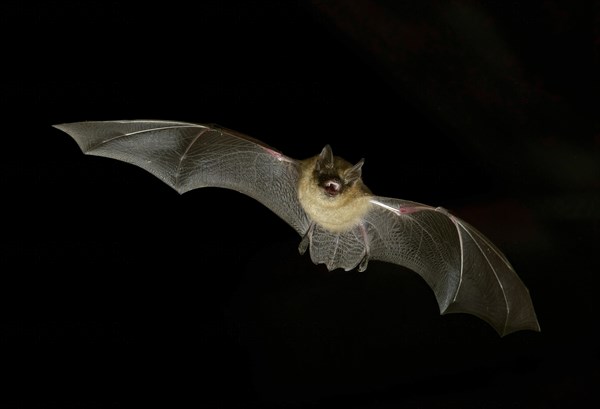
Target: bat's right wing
x=466, y=271
x=188, y=156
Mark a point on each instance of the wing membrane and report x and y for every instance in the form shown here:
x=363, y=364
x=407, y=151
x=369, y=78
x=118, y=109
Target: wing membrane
x=189, y=156
x=465, y=270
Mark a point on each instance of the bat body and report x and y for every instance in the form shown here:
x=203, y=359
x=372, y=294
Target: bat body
x=342, y=224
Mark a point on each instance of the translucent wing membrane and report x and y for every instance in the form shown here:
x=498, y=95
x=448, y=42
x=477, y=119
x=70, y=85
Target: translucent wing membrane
x=188, y=156
x=465, y=270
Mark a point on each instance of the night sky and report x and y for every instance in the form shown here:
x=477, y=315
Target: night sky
x=117, y=292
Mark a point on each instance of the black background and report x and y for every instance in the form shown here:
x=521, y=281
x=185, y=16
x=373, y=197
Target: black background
x=117, y=292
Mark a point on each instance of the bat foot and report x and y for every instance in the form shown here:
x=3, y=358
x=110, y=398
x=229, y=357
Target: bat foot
x=362, y=266
x=304, y=243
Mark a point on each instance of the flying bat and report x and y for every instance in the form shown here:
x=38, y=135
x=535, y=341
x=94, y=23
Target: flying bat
x=342, y=224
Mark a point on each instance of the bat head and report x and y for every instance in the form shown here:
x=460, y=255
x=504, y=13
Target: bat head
x=335, y=175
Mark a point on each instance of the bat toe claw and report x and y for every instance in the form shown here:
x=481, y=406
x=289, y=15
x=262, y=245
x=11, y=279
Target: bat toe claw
x=303, y=246
x=362, y=266
x=305, y=242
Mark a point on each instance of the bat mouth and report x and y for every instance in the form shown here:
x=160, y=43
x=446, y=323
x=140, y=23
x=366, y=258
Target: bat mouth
x=332, y=187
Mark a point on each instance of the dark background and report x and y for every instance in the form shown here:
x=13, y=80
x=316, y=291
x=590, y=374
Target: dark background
x=117, y=292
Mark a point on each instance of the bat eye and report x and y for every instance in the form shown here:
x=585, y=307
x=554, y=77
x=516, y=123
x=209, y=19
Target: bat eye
x=332, y=187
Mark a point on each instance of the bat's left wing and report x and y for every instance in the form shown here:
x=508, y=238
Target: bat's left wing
x=466, y=272
x=188, y=156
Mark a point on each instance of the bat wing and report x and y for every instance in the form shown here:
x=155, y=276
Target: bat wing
x=189, y=156
x=464, y=269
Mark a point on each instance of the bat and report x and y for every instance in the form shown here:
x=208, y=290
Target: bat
x=341, y=223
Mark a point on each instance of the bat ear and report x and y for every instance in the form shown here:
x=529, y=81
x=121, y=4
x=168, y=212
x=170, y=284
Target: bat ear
x=354, y=173
x=325, y=159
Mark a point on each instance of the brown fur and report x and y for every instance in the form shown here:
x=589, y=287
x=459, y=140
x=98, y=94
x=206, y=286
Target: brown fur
x=335, y=213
